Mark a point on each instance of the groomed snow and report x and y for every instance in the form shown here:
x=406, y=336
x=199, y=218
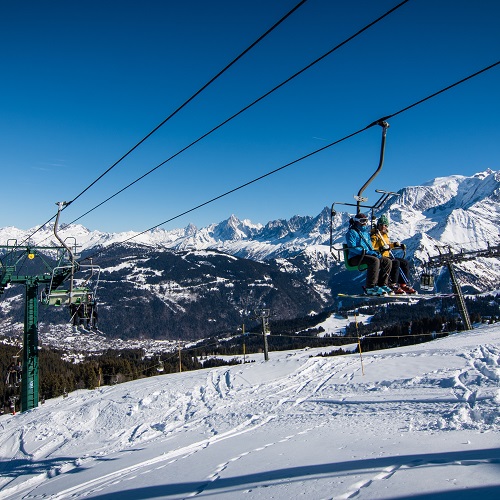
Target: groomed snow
x=422, y=422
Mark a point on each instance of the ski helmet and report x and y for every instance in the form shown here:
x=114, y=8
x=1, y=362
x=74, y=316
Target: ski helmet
x=383, y=221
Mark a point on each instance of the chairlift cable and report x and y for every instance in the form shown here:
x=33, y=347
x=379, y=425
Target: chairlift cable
x=359, y=32
x=376, y=122
x=167, y=119
x=491, y=66
x=191, y=98
x=289, y=79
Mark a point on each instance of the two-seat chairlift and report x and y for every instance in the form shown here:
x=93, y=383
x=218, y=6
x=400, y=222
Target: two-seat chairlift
x=427, y=278
x=81, y=292
x=341, y=253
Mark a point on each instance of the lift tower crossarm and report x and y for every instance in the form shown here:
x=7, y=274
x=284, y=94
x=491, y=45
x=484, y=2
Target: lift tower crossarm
x=443, y=258
x=448, y=259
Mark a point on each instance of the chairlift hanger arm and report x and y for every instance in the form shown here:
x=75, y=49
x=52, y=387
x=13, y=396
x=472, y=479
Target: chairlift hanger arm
x=384, y=126
x=61, y=206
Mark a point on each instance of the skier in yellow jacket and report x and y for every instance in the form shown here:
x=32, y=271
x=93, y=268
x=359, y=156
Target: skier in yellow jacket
x=400, y=267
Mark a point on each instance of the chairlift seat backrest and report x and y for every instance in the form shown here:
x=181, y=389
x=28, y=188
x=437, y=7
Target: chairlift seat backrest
x=361, y=267
x=427, y=281
x=62, y=297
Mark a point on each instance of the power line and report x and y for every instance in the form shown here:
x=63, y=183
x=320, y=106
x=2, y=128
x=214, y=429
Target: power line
x=289, y=79
x=402, y=110
x=302, y=2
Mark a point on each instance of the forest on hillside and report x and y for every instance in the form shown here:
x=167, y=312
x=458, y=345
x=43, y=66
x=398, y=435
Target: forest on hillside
x=391, y=325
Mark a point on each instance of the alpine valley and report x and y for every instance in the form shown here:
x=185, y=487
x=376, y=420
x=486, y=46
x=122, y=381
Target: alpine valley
x=194, y=283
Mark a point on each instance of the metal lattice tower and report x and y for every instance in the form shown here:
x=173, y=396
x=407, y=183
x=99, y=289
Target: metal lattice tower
x=448, y=259
x=16, y=268
x=10, y=274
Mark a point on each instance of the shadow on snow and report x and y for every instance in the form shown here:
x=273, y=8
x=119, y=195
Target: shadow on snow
x=467, y=458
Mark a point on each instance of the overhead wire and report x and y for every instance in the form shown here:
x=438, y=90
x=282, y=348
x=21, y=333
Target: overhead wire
x=359, y=32
x=417, y=103
x=359, y=131
x=147, y=136
x=372, y=335
x=253, y=103
x=288, y=14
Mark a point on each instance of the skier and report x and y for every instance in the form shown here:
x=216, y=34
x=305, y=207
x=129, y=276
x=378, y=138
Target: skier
x=360, y=250
x=77, y=315
x=91, y=312
x=12, y=384
x=14, y=373
x=400, y=270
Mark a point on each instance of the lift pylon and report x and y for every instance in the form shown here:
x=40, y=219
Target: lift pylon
x=9, y=274
x=18, y=265
x=448, y=258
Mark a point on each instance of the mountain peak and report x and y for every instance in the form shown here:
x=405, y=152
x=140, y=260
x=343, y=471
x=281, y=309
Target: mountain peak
x=456, y=210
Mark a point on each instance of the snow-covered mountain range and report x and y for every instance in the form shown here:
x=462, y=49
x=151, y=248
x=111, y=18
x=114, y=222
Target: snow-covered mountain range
x=284, y=264
x=457, y=211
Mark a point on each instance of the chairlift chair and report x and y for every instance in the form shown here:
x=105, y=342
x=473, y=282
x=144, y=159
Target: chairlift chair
x=160, y=367
x=359, y=198
x=359, y=267
x=82, y=295
x=427, y=281
x=54, y=296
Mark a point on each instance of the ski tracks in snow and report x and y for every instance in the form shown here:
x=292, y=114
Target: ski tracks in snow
x=216, y=474
x=476, y=388
x=228, y=405
x=102, y=481
x=215, y=407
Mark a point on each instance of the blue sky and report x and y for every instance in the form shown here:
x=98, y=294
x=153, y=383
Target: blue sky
x=83, y=82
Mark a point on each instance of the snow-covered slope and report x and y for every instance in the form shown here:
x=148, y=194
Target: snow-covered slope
x=458, y=211
x=421, y=422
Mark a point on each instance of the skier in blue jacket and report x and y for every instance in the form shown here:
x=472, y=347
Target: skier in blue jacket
x=360, y=251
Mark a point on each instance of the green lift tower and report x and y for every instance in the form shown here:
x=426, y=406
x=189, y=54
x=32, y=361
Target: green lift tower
x=15, y=270
x=29, y=266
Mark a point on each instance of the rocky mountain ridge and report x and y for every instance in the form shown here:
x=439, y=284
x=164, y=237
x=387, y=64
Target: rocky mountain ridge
x=192, y=283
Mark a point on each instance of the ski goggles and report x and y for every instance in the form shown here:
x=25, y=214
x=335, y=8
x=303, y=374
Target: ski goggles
x=361, y=220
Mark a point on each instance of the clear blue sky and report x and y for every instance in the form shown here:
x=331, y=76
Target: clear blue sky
x=83, y=81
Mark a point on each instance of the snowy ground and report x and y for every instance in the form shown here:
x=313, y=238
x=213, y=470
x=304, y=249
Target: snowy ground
x=422, y=422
